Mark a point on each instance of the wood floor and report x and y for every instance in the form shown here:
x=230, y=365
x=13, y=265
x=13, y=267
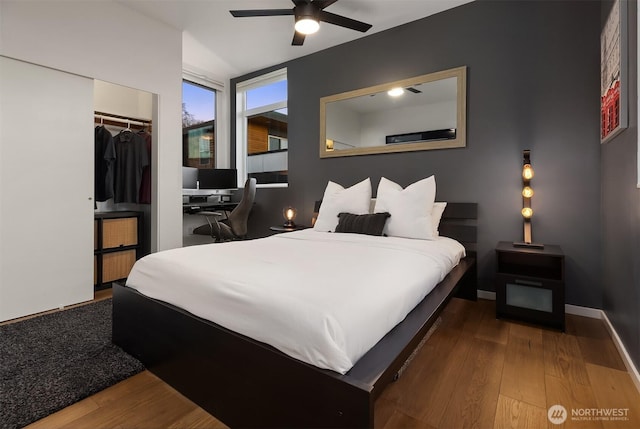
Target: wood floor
x=474, y=372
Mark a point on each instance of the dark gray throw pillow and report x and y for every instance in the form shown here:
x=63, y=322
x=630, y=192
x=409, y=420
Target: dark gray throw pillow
x=370, y=224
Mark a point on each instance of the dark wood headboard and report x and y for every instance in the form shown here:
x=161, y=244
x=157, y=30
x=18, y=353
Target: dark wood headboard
x=459, y=221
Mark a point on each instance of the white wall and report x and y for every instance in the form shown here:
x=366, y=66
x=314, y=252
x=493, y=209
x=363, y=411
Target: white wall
x=122, y=100
x=343, y=125
x=107, y=41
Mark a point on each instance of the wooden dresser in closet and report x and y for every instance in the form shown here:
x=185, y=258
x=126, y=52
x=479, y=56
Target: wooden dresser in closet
x=116, y=245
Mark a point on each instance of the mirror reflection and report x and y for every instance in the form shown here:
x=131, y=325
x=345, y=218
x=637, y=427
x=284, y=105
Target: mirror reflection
x=421, y=113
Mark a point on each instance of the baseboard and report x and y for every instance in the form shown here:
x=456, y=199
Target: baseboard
x=628, y=362
x=486, y=294
x=577, y=310
x=593, y=313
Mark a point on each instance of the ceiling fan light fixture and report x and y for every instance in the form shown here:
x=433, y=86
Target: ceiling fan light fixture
x=308, y=15
x=307, y=25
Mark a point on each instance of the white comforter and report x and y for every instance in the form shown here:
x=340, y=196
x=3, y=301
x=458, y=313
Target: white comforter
x=323, y=298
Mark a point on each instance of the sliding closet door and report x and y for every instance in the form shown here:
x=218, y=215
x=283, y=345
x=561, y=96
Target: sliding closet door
x=46, y=189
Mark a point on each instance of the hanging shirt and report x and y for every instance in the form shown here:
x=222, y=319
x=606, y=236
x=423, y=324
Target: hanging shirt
x=131, y=158
x=105, y=155
x=145, y=186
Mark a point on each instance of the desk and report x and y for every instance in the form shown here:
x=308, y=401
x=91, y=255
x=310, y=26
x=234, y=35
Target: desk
x=195, y=200
x=193, y=208
x=206, y=192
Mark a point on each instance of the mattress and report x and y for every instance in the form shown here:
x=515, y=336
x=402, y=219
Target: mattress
x=323, y=298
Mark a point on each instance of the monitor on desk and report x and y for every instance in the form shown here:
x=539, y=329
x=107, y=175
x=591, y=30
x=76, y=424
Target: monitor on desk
x=189, y=177
x=218, y=178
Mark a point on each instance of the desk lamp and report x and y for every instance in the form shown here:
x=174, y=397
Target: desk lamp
x=289, y=214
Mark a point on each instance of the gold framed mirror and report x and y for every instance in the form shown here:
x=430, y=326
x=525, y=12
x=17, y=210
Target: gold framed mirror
x=420, y=113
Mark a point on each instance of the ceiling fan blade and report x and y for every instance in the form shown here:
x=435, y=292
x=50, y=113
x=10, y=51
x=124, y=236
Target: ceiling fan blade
x=260, y=12
x=343, y=21
x=298, y=39
x=323, y=3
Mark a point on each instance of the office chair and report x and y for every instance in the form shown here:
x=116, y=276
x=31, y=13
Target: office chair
x=234, y=227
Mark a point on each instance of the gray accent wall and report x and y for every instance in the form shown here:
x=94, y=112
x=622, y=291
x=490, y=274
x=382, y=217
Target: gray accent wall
x=621, y=216
x=533, y=83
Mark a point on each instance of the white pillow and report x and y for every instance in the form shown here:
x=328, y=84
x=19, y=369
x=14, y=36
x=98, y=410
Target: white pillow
x=337, y=199
x=436, y=215
x=410, y=208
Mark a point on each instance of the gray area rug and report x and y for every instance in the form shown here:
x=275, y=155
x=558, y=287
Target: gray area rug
x=52, y=361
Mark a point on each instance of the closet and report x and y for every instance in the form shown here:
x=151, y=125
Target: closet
x=122, y=180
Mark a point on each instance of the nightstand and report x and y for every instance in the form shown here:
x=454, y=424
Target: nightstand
x=530, y=284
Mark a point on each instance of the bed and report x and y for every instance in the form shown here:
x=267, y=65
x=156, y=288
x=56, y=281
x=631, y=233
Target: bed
x=245, y=382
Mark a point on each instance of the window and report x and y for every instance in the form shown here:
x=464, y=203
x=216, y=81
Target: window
x=261, y=135
x=277, y=143
x=198, y=126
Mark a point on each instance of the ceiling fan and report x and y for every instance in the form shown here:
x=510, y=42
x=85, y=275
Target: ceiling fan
x=308, y=14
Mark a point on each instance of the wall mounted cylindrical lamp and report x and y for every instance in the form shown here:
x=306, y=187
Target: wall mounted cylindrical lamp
x=289, y=214
x=527, y=194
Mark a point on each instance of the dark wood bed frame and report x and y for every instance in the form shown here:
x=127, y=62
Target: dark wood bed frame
x=246, y=383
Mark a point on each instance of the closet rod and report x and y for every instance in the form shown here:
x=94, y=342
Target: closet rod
x=102, y=116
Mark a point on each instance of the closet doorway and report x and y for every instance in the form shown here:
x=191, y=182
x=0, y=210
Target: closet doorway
x=123, y=149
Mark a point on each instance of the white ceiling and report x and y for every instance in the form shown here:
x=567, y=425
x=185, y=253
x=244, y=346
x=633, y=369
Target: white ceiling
x=221, y=46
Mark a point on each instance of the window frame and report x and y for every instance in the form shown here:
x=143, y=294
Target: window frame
x=220, y=130
x=242, y=115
